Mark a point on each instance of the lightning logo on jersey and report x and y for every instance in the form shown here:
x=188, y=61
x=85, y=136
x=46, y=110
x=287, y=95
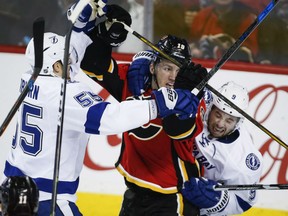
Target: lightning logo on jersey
x=252, y=161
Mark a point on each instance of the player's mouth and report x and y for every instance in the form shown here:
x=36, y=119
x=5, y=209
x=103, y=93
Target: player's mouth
x=217, y=132
x=170, y=85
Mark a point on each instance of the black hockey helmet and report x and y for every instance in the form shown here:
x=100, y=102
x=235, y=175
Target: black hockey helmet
x=19, y=196
x=175, y=47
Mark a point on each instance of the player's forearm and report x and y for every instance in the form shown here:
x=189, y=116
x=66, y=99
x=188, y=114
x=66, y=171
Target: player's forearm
x=79, y=41
x=120, y=117
x=97, y=58
x=179, y=129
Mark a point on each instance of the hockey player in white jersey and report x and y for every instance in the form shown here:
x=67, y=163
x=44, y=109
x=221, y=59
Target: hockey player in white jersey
x=228, y=156
x=33, y=147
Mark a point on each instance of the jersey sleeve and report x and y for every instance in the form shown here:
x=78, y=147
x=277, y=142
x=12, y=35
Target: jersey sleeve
x=239, y=202
x=78, y=44
x=87, y=112
x=105, y=118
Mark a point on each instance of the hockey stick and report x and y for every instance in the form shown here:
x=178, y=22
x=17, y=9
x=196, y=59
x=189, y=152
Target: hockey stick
x=149, y=43
x=235, y=46
x=226, y=56
x=38, y=32
x=72, y=17
x=251, y=187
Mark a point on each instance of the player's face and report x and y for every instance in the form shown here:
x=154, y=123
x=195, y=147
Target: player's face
x=221, y=123
x=166, y=73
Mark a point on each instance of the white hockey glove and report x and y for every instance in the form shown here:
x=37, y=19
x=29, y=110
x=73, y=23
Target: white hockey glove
x=87, y=18
x=201, y=193
x=175, y=101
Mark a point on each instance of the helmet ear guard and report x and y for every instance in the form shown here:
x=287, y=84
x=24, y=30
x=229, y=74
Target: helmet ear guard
x=175, y=47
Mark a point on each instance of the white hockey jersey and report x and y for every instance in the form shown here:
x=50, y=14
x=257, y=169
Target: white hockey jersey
x=233, y=160
x=34, y=143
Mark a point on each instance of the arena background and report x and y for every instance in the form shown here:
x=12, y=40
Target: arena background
x=101, y=185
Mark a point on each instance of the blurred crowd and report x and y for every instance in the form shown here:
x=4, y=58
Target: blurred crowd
x=211, y=26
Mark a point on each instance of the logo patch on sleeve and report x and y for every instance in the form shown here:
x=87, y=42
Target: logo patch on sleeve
x=252, y=161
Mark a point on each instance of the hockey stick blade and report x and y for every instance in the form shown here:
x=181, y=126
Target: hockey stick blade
x=252, y=187
x=38, y=32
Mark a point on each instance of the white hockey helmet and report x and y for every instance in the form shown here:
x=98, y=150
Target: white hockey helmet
x=236, y=94
x=53, y=51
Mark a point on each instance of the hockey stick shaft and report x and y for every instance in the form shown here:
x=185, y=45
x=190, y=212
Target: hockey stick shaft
x=38, y=32
x=252, y=187
x=235, y=46
x=149, y=43
x=72, y=17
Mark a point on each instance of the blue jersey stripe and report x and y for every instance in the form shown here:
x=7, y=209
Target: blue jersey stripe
x=94, y=116
x=43, y=184
x=243, y=204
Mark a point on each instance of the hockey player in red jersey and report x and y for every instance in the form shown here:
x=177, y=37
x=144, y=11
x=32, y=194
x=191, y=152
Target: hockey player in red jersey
x=154, y=165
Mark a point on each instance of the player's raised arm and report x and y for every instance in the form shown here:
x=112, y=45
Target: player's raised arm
x=97, y=61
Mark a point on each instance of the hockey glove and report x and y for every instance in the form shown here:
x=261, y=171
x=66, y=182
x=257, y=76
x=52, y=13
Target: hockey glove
x=139, y=75
x=201, y=193
x=87, y=18
x=175, y=101
x=189, y=76
x=113, y=32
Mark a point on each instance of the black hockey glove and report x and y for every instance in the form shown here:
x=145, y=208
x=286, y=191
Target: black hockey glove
x=113, y=32
x=189, y=76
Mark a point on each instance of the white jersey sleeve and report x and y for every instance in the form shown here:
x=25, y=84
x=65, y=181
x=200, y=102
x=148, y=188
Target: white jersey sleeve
x=34, y=143
x=78, y=44
x=231, y=161
x=106, y=118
